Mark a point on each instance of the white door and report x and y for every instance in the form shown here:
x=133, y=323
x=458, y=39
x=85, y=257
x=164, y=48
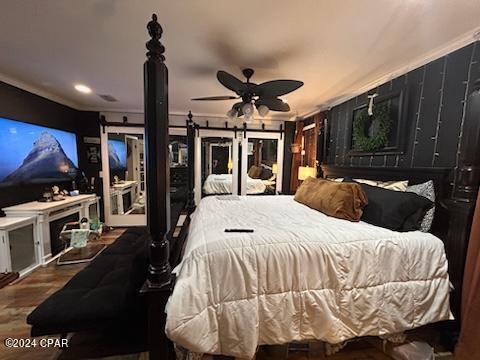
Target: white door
x=123, y=168
x=261, y=163
x=216, y=163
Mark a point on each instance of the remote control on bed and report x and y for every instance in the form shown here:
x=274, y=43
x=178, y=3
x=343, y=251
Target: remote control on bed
x=239, y=230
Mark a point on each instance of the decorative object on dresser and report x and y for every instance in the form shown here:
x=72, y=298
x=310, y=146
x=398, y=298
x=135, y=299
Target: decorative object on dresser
x=50, y=217
x=19, y=245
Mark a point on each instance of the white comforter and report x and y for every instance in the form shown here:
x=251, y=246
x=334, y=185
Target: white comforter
x=301, y=275
x=222, y=184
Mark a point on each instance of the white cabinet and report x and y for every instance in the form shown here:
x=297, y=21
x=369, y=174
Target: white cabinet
x=19, y=246
x=48, y=214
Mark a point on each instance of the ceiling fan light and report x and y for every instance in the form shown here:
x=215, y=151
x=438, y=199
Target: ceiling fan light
x=247, y=109
x=248, y=118
x=232, y=114
x=263, y=110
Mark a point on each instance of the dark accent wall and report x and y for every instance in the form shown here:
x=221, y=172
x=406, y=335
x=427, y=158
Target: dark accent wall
x=435, y=114
x=21, y=105
x=287, y=155
x=87, y=125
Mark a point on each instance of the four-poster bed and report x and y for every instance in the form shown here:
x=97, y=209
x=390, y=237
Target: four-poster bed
x=420, y=251
x=283, y=249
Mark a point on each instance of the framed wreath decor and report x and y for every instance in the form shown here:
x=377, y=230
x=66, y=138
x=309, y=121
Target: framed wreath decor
x=362, y=124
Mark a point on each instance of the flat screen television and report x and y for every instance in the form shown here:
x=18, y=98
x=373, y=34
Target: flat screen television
x=36, y=154
x=117, y=155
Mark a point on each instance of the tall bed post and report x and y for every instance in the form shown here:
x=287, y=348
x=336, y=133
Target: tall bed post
x=464, y=195
x=159, y=278
x=190, y=206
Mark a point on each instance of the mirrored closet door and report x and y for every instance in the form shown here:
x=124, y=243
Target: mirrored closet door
x=261, y=163
x=178, y=156
x=123, y=165
x=216, y=164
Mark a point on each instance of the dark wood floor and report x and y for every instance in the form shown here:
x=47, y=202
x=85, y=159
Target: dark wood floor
x=17, y=300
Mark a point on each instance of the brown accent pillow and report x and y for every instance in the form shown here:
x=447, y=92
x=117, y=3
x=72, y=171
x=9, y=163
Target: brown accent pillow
x=340, y=200
x=255, y=172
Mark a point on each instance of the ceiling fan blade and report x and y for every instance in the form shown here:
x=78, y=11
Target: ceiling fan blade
x=273, y=104
x=276, y=88
x=227, y=97
x=231, y=82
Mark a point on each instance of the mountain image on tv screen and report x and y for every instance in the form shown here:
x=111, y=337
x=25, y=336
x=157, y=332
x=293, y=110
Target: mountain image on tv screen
x=117, y=155
x=36, y=154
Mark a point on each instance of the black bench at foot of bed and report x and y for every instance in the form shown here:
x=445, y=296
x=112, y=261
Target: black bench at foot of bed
x=102, y=295
x=105, y=294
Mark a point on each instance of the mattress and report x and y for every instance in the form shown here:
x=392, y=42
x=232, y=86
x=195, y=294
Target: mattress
x=222, y=184
x=301, y=275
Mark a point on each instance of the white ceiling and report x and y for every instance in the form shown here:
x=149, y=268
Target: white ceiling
x=336, y=47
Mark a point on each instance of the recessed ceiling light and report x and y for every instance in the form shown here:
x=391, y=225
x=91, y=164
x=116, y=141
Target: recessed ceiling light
x=83, y=89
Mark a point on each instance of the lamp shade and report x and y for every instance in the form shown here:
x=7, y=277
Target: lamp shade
x=232, y=114
x=263, y=110
x=306, y=171
x=247, y=109
x=274, y=168
x=230, y=165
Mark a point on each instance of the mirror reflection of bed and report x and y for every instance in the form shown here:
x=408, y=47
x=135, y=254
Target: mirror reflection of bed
x=127, y=173
x=178, y=158
x=217, y=166
x=262, y=166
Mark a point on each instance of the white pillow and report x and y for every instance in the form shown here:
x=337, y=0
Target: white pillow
x=426, y=190
x=390, y=185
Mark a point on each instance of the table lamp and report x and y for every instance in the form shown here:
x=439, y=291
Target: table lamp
x=274, y=169
x=305, y=172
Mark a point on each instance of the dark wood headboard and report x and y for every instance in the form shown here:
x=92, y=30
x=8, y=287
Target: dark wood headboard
x=451, y=223
x=442, y=180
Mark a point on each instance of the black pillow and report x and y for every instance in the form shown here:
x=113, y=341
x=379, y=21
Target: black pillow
x=266, y=173
x=394, y=210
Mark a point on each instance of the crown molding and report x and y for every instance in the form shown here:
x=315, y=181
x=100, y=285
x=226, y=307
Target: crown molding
x=456, y=44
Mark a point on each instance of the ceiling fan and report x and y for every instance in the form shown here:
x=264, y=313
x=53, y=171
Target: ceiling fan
x=263, y=96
